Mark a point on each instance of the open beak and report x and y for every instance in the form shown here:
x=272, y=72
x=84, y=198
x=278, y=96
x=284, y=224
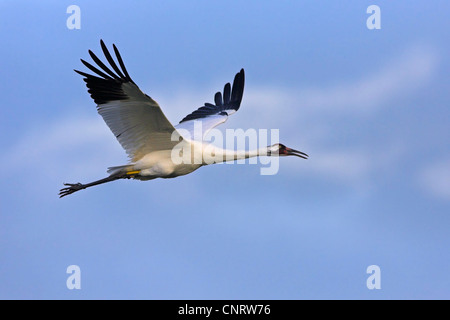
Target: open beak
x=293, y=152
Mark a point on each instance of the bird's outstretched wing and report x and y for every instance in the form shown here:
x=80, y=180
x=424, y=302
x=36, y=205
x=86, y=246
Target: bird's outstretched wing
x=211, y=115
x=135, y=119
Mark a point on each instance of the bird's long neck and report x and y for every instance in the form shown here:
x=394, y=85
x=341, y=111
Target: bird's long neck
x=218, y=155
x=244, y=154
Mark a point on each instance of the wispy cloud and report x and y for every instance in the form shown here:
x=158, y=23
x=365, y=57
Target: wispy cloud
x=350, y=162
x=402, y=75
x=405, y=73
x=60, y=144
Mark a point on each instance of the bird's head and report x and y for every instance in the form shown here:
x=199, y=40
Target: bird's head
x=281, y=150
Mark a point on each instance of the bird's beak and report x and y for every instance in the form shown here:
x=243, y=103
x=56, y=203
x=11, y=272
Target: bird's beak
x=293, y=152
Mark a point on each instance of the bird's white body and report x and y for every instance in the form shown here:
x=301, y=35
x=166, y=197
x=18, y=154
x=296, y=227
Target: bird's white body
x=159, y=164
x=166, y=163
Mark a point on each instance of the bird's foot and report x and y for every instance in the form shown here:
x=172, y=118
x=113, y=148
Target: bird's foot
x=71, y=188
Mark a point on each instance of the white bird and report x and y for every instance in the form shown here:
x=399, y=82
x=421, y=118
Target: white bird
x=148, y=137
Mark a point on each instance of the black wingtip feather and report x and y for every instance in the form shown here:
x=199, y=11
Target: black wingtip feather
x=227, y=93
x=122, y=65
x=218, y=99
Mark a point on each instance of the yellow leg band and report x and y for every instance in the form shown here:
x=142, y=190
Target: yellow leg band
x=133, y=172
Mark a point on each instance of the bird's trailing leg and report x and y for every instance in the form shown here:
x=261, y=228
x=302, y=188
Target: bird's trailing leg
x=74, y=187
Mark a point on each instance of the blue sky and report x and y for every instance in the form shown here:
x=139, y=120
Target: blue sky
x=370, y=107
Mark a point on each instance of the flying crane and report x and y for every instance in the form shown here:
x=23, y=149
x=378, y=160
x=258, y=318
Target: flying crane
x=148, y=137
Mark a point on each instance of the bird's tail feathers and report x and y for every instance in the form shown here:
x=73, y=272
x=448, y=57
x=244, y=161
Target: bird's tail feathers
x=120, y=169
